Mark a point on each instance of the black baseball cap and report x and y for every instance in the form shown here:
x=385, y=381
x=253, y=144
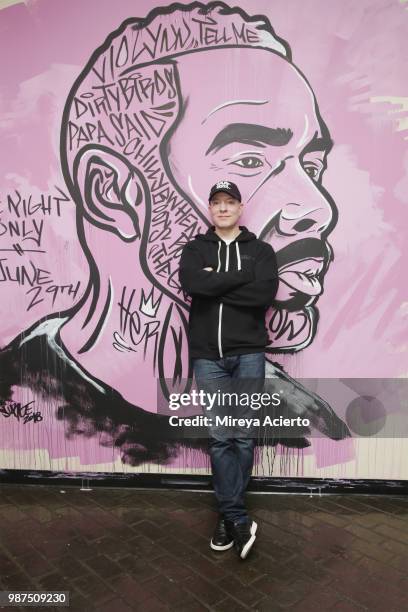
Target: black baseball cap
x=226, y=186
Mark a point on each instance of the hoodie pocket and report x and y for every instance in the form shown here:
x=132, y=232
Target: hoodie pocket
x=203, y=324
x=242, y=327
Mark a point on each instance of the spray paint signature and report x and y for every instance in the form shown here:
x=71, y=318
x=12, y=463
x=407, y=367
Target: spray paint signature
x=22, y=412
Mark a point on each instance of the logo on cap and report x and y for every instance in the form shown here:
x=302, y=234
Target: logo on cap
x=223, y=185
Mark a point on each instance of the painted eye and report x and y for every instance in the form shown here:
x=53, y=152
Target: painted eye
x=312, y=171
x=248, y=162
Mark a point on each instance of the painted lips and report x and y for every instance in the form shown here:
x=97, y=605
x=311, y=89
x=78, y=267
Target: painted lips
x=302, y=275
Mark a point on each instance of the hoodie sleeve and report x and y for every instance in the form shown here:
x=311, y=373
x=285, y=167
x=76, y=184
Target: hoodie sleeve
x=262, y=290
x=194, y=280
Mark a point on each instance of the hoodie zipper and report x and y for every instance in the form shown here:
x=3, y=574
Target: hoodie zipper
x=221, y=304
x=226, y=269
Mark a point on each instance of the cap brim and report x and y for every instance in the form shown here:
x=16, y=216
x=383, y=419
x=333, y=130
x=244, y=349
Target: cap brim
x=234, y=195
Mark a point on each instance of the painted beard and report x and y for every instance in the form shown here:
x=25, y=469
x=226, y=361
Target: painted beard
x=292, y=321
x=291, y=331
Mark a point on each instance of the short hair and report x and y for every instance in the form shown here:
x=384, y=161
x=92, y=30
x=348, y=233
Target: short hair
x=137, y=64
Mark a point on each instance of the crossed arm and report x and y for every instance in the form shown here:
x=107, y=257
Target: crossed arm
x=255, y=287
x=197, y=280
x=262, y=290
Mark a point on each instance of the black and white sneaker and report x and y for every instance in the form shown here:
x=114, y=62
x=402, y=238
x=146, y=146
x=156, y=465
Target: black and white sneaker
x=223, y=538
x=244, y=537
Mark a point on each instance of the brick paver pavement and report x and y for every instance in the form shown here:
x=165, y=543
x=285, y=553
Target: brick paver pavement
x=128, y=549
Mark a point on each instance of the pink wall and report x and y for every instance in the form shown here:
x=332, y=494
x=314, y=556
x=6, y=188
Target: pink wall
x=117, y=206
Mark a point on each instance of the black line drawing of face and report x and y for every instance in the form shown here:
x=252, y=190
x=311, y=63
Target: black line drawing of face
x=269, y=137
x=139, y=100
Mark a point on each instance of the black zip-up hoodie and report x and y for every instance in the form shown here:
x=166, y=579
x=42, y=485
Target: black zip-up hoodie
x=227, y=313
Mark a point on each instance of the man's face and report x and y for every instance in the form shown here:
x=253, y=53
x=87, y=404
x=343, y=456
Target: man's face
x=258, y=126
x=225, y=210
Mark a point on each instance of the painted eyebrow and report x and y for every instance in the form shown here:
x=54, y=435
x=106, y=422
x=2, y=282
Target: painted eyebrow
x=319, y=143
x=250, y=134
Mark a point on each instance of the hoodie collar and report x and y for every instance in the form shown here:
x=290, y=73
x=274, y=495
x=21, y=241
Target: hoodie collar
x=210, y=235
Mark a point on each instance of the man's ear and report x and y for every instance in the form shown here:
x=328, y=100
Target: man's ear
x=109, y=191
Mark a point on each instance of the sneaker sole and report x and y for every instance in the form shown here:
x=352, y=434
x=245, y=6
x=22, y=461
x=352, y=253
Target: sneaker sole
x=225, y=547
x=249, y=544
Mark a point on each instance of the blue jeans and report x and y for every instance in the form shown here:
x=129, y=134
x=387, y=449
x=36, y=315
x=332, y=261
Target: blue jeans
x=231, y=458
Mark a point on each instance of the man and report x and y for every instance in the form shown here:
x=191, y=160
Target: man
x=232, y=278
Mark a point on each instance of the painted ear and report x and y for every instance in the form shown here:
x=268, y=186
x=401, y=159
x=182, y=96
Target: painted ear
x=110, y=192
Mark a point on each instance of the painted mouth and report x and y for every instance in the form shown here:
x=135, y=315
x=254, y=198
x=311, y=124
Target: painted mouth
x=303, y=275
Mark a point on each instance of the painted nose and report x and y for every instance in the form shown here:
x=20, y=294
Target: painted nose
x=305, y=209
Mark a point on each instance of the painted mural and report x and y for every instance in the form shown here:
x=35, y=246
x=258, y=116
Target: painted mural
x=112, y=134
